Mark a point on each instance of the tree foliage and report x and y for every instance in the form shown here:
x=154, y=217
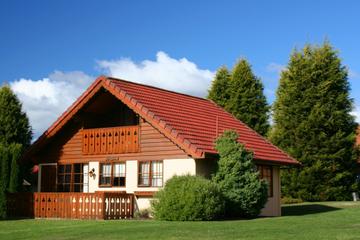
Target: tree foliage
x=188, y=198
x=219, y=91
x=241, y=93
x=237, y=177
x=4, y=178
x=247, y=101
x=14, y=124
x=312, y=122
x=15, y=134
x=15, y=180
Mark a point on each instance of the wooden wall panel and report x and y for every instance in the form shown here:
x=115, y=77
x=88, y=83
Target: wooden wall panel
x=67, y=147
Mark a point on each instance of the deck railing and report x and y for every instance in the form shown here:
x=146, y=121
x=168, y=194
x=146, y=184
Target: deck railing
x=110, y=140
x=98, y=205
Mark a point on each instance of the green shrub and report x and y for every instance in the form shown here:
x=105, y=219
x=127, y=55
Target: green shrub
x=245, y=193
x=188, y=198
x=142, y=214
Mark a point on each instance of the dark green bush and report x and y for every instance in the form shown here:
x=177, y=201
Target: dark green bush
x=245, y=193
x=188, y=198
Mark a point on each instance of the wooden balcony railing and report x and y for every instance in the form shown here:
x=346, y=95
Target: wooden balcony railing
x=110, y=140
x=98, y=205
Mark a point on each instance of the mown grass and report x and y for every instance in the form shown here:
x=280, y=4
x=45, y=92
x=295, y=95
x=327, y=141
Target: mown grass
x=332, y=220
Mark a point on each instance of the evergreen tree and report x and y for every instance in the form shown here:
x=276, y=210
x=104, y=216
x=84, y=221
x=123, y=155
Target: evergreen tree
x=3, y=206
x=241, y=94
x=15, y=176
x=14, y=124
x=4, y=179
x=5, y=166
x=15, y=133
x=312, y=122
x=247, y=101
x=238, y=178
x=219, y=91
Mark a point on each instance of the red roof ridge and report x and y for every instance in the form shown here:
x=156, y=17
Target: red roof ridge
x=158, y=88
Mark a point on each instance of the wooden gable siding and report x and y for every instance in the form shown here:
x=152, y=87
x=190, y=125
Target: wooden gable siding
x=68, y=149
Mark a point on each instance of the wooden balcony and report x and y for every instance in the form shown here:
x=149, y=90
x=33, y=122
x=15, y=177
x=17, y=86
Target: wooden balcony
x=98, y=205
x=110, y=140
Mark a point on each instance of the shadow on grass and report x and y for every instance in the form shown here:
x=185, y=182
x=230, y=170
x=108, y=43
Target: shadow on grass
x=16, y=218
x=306, y=209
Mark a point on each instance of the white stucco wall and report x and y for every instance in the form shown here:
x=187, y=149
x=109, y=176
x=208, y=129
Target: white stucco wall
x=178, y=167
x=173, y=167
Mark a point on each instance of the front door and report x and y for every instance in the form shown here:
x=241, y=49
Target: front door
x=48, y=178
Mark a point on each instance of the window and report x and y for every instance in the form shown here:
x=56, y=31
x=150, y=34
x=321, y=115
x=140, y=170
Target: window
x=266, y=173
x=70, y=178
x=112, y=174
x=119, y=174
x=150, y=174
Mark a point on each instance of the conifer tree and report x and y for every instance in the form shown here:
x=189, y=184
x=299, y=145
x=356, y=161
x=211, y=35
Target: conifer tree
x=312, y=122
x=14, y=124
x=238, y=178
x=240, y=93
x=219, y=91
x=247, y=101
x=15, y=133
x=4, y=179
x=15, y=174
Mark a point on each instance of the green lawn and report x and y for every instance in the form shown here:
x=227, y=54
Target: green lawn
x=313, y=221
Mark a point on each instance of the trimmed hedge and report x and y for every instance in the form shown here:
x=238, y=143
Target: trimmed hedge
x=189, y=198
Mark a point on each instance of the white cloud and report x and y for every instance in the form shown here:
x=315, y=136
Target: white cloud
x=275, y=67
x=356, y=113
x=46, y=99
x=179, y=75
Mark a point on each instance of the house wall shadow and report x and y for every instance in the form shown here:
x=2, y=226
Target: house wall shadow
x=306, y=209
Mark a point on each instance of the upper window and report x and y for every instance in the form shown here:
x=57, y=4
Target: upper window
x=112, y=174
x=266, y=173
x=150, y=174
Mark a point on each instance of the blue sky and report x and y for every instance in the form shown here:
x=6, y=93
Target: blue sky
x=51, y=45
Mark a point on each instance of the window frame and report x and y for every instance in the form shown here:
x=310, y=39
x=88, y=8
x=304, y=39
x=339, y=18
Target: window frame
x=111, y=184
x=72, y=174
x=262, y=174
x=150, y=177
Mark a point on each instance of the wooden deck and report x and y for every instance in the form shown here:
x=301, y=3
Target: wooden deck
x=98, y=205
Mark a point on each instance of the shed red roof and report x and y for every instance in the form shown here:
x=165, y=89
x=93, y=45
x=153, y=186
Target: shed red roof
x=191, y=122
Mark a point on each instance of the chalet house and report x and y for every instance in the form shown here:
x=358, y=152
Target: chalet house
x=121, y=141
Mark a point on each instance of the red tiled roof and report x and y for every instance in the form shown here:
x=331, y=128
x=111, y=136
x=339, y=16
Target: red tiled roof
x=191, y=122
x=197, y=120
